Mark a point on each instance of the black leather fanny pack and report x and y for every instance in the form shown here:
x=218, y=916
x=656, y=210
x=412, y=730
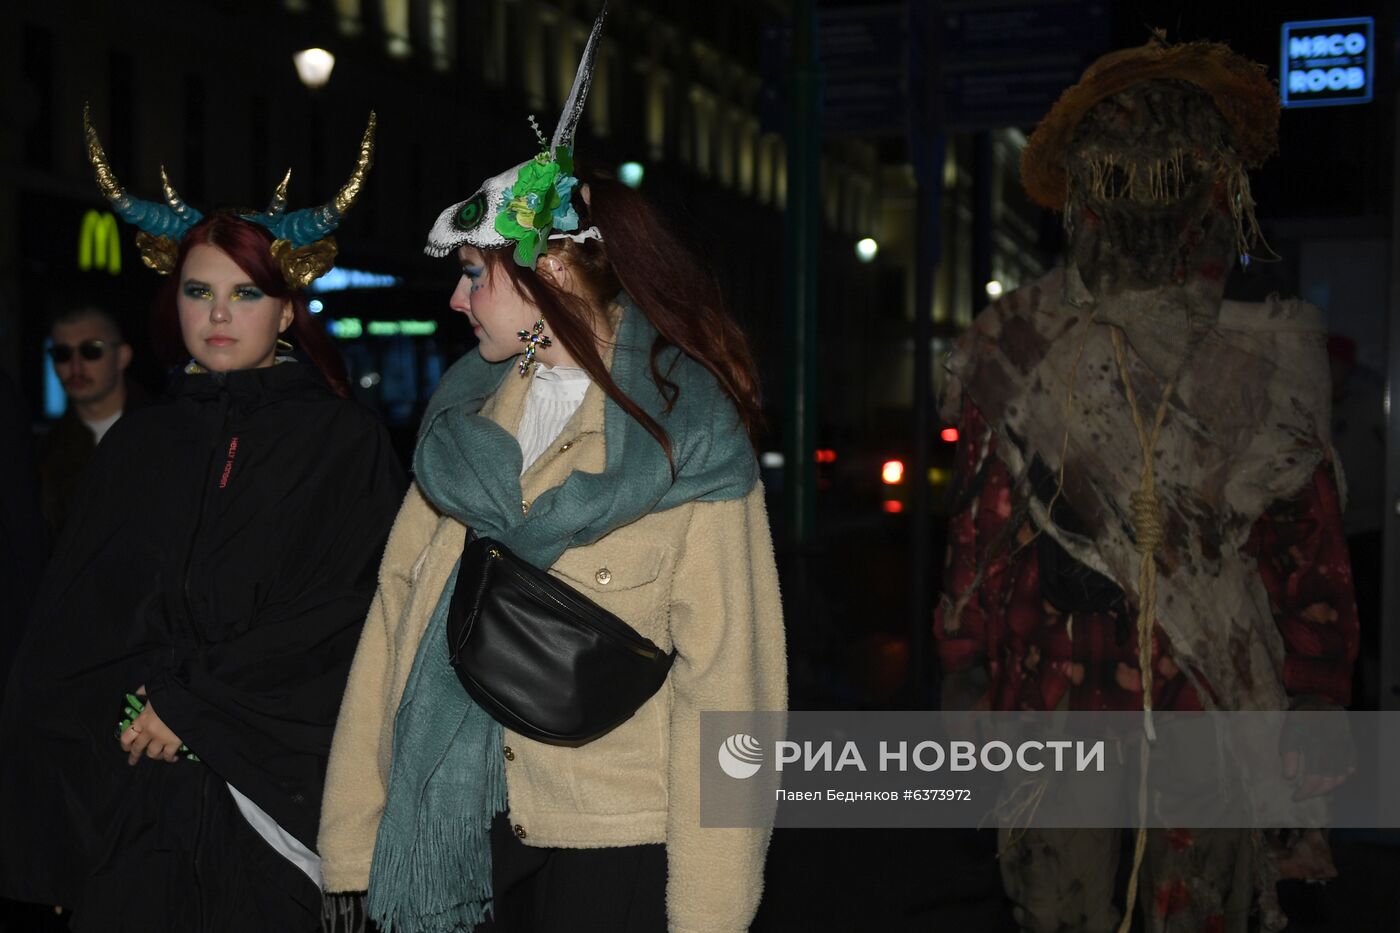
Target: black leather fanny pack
x=543, y=659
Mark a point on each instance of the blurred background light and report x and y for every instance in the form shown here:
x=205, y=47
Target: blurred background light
x=314, y=67
x=630, y=174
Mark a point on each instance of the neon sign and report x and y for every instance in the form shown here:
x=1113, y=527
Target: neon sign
x=406, y=328
x=99, y=246
x=351, y=328
x=1327, y=62
x=339, y=279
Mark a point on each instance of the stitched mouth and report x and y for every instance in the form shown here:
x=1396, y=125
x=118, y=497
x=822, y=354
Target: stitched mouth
x=1113, y=177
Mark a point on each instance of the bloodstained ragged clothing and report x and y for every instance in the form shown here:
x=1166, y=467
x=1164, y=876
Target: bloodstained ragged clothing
x=1037, y=656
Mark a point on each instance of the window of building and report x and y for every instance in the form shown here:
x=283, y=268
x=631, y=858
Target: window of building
x=869, y=211
x=725, y=144
x=567, y=48
x=763, y=169
x=632, y=90
x=525, y=61
x=703, y=131
x=348, y=17
x=748, y=135
x=780, y=175
x=833, y=180
x=487, y=42
x=395, y=18
x=852, y=212
x=600, y=94
x=658, y=90
x=549, y=22
x=440, y=33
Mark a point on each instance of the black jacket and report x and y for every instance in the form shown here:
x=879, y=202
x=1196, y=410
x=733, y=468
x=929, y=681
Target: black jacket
x=64, y=454
x=223, y=552
x=23, y=544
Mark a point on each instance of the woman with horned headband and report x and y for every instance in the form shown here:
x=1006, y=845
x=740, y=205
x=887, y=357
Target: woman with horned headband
x=169, y=716
x=600, y=431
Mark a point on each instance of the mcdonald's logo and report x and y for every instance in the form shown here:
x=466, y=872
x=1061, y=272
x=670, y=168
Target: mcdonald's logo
x=99, y=245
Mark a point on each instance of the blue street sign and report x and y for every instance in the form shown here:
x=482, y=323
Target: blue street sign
x=987, y=98
x=868, y=63
x=1327, y=62
x=1005, y=62
x=992, y=31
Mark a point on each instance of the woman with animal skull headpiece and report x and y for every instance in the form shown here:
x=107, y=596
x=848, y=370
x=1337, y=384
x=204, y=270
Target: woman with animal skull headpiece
x=599, y=432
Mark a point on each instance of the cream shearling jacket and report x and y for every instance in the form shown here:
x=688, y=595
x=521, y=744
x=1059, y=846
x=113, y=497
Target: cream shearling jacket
x=699, y=577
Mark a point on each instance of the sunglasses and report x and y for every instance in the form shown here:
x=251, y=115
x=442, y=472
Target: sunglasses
x=90, y=350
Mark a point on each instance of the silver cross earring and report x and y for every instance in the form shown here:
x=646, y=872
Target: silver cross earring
x=533, y=341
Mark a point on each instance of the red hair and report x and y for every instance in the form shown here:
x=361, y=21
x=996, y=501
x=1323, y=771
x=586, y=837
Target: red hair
x=249, y=246
x=640, y=255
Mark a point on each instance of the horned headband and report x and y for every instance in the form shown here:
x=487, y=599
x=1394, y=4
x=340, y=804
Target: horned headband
x=303, y=245
x=530, y=204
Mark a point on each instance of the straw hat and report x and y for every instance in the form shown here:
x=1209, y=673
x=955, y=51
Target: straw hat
x=1240, y=88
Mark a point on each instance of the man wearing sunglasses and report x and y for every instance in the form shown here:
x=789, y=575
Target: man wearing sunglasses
x=90, y=358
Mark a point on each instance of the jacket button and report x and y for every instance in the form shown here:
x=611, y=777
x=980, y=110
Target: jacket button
x=510, y=755
x=566, y=446
x=520, y=831
x=524, y=507
x=604, y=577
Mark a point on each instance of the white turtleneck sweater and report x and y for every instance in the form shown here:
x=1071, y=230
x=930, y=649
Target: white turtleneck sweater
x=555, y=394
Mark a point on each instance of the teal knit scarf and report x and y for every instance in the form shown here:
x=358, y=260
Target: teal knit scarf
x=432, y=858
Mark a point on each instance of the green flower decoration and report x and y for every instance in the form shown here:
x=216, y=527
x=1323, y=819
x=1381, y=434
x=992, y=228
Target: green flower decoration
x=537, y=175
x=528, y=213
x=527, y=240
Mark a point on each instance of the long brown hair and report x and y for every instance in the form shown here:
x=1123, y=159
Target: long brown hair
x=249, y=246
x=640, y=255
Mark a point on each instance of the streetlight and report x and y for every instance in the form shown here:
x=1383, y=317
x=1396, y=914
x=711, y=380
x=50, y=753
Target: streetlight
x=314, y=67
x=994, y=289
x=866, y=249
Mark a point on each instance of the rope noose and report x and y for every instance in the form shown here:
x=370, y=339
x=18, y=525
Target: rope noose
x=1148, y=535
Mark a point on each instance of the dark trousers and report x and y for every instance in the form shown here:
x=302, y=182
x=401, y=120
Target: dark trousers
x=538, y=890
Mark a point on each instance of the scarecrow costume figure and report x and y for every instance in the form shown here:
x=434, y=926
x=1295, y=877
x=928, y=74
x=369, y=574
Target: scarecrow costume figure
x=1147, y=514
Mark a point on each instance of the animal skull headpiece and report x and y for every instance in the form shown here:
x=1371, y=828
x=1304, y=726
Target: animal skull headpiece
x=530, y=204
